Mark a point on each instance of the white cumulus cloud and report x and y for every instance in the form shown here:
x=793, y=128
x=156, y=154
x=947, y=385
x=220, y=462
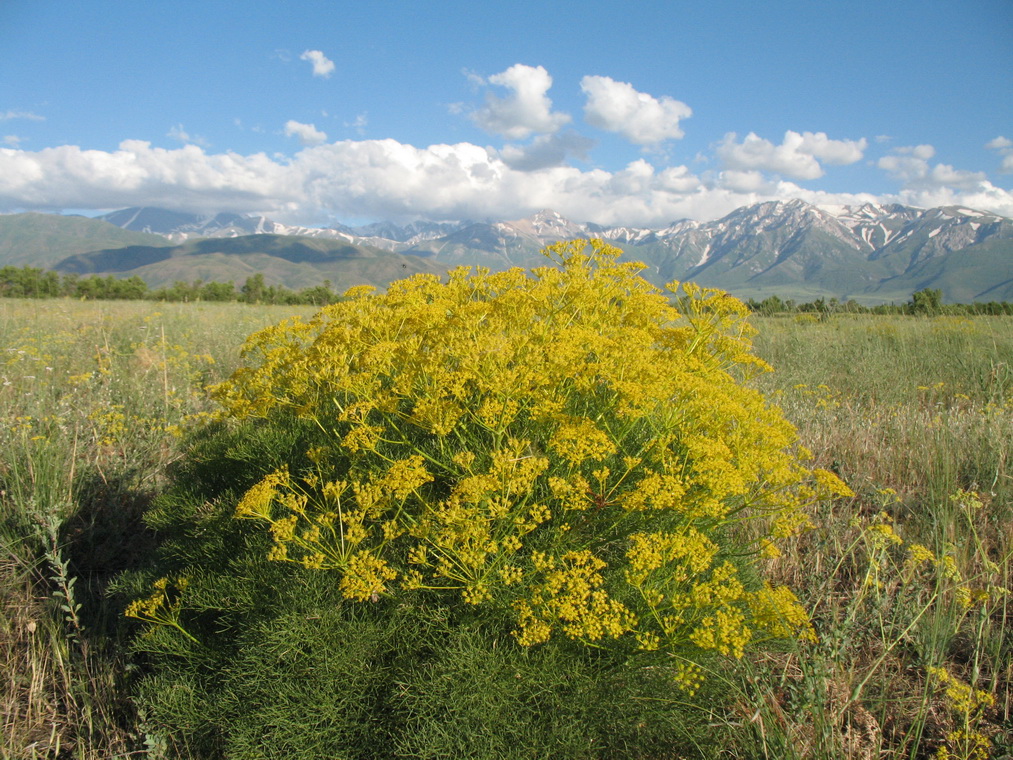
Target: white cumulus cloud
x=834, y=152
x=322, y=65
x=1004, y=147
x=386, y=179
x=307, y=134
x=640, y=118
x=910, y=166
x=924, y=152
x=184, y=178
x=982, y=195
x=526, y=108
x=798, y=156
x=750, y=181
x=546, y=151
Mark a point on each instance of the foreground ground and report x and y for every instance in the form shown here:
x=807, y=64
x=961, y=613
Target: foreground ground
x=908, y=583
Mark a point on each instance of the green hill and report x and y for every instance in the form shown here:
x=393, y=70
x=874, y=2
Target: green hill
x=295, y=262
x=982, y=272
x=41, y=240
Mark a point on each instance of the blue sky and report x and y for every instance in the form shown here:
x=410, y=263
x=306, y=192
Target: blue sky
x=615, y=112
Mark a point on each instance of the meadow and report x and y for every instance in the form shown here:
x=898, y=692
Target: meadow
x=907, y=583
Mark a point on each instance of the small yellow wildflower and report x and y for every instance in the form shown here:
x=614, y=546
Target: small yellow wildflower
x=688, y=677
x=405, y=476
x=917, y=554
x=256, y=502
x=725, y=632
x=578, y=440
x=365, y=577
x=777, y=611
x=362, y=438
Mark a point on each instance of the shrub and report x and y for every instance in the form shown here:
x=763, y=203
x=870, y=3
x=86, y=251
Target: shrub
x=544, y=467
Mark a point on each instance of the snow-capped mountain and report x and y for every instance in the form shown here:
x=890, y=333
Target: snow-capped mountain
x=843, y=251
x=774, y=247
x=180, y=227
x=408, y=234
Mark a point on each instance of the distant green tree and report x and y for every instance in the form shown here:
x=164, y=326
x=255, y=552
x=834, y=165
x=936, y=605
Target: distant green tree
x=927, y=301
x=180, y=290
x=218, y=291
x=319, y=295
x=253, y=289
x=28, y=282
x=132, y=288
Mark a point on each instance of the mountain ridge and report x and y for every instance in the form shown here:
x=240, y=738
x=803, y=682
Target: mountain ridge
x=870, y=252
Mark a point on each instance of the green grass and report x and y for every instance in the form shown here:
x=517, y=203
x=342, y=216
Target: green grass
x=910, y=411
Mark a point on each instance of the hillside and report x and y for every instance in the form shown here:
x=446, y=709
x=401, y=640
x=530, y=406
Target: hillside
x=41, y=240
x=295, y=262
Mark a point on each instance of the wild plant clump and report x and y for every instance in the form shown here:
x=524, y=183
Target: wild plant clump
x=560, y=445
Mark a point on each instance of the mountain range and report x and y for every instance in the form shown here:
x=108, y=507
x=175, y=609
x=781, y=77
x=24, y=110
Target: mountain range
x=872, y=253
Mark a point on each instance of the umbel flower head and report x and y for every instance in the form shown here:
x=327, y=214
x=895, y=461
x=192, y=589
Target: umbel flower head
x=566, y=445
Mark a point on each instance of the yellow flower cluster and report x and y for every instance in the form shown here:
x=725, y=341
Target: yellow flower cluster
x=725, y=631
x=405, y=477
x=777, y=611
x=571, y=595
x=576, y=441
x=365, y=577
x=939, y=571
x=881, y=532
x=562, y=445
x=162, y=607
x=256, y=502
x=968, y=704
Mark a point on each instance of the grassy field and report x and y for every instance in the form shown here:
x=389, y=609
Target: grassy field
x=907, y=584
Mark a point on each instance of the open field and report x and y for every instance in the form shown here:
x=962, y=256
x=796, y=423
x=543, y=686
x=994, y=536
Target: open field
x=907, y=583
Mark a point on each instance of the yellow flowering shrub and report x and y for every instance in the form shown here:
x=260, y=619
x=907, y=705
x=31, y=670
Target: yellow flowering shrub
x=566, y=445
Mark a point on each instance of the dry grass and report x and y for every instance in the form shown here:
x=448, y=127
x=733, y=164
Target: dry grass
x=917, y=416
x=93, y=397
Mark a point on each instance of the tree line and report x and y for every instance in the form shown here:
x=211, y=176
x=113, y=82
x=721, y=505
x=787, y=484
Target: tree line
x=928, y=301
x=31, y=282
